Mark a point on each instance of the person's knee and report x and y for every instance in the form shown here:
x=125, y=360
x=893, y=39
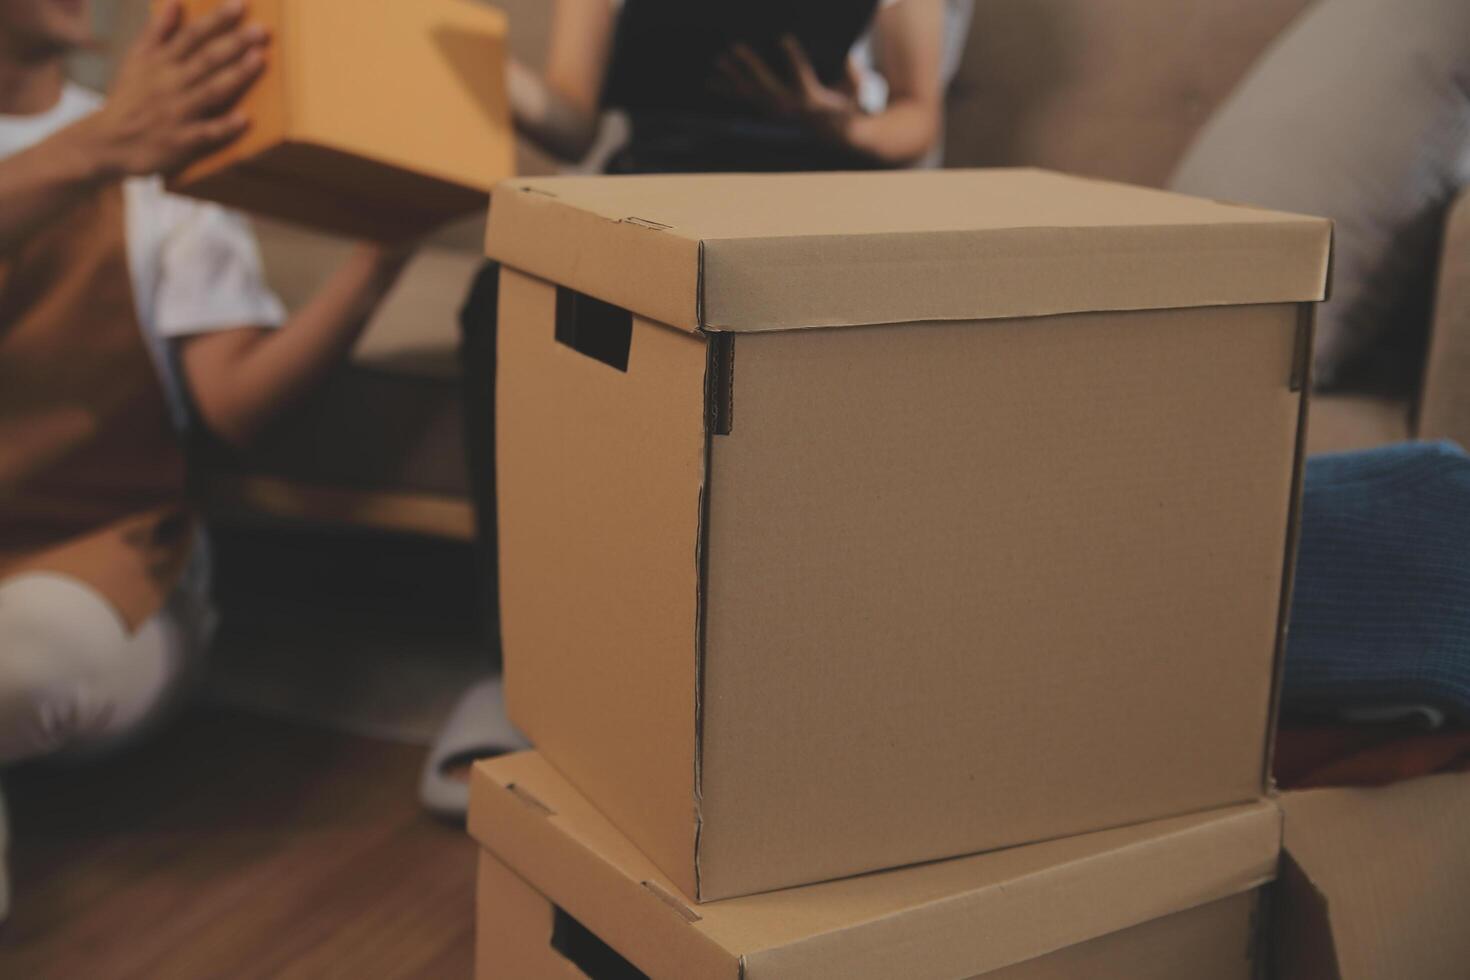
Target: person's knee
x=46, y=702
x=54, y=678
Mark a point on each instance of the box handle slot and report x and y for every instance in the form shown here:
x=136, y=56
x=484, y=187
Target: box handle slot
x=582, y=948
x=528, y=798
x=589, y=326
x=720, y=384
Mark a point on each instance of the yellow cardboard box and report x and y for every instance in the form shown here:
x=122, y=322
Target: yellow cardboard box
x=374, y=118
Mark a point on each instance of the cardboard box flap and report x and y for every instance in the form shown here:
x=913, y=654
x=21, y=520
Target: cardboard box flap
x=622, y=260
x=748, y=252
x=1377, y=881
x=942, y=919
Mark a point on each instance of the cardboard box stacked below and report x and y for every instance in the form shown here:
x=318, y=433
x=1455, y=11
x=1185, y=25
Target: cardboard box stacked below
x=374, y=118
x=1376, y=883
x=850, y=521
x=563, y=894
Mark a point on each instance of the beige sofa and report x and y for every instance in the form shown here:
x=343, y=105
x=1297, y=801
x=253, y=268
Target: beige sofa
x=1114, y=89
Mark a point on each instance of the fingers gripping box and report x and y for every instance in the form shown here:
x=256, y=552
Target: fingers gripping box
x=374, y=118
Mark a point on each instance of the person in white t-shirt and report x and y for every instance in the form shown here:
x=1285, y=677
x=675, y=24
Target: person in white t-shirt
x=129, y=319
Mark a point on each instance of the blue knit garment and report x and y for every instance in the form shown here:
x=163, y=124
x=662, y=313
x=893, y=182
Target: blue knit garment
x=1381, y=614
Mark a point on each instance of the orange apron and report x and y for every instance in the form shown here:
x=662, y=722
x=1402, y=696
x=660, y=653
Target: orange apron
x=92, y=474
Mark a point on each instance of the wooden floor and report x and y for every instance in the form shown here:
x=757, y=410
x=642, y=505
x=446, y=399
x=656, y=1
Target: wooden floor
x=235, y=846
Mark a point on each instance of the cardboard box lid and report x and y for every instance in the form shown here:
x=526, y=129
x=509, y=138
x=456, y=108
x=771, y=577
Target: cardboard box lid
x=1376, y=882
x=749, y=252
x=961, y=917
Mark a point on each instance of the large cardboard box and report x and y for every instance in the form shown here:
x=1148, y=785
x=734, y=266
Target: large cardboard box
x=374, y=118
x=563, y=894
x=849, y=521
x=1376, y=883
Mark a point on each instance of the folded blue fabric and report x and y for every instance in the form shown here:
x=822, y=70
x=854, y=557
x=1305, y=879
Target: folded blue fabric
x=1381, y=614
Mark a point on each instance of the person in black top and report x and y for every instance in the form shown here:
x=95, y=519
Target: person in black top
x=706, y=90
x=758, y=85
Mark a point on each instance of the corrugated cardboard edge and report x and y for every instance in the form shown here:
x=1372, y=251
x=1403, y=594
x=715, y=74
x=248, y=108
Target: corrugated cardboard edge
x=752, y=285
x=718, y=412
x=1024, y=920
x=1301, y=381
x=274, y=182
x=701, y=618
x=799, y=282
x=1184, y=867
x=636, y=264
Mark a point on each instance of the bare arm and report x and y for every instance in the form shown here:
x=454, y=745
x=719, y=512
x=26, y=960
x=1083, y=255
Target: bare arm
x=559, y=112
x=40, y=183
x=910, y=48
x=170, y=105
x=241, y=379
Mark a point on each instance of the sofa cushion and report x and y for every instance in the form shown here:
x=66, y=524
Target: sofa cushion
x=1341, y=423
x=1115, y=89
x=1445, y=408
x=1361, y=113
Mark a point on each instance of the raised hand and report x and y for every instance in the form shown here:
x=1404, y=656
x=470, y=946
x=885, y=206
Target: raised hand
x=175, y=94
x=828, y=109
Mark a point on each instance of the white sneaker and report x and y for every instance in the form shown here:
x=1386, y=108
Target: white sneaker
x=477, y=729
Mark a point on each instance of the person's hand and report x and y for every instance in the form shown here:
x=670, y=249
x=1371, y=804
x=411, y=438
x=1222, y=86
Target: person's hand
x=829, y=110
x=174, y=96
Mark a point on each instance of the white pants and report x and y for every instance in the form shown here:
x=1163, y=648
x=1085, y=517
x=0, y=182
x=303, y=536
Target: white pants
x=73, y=679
